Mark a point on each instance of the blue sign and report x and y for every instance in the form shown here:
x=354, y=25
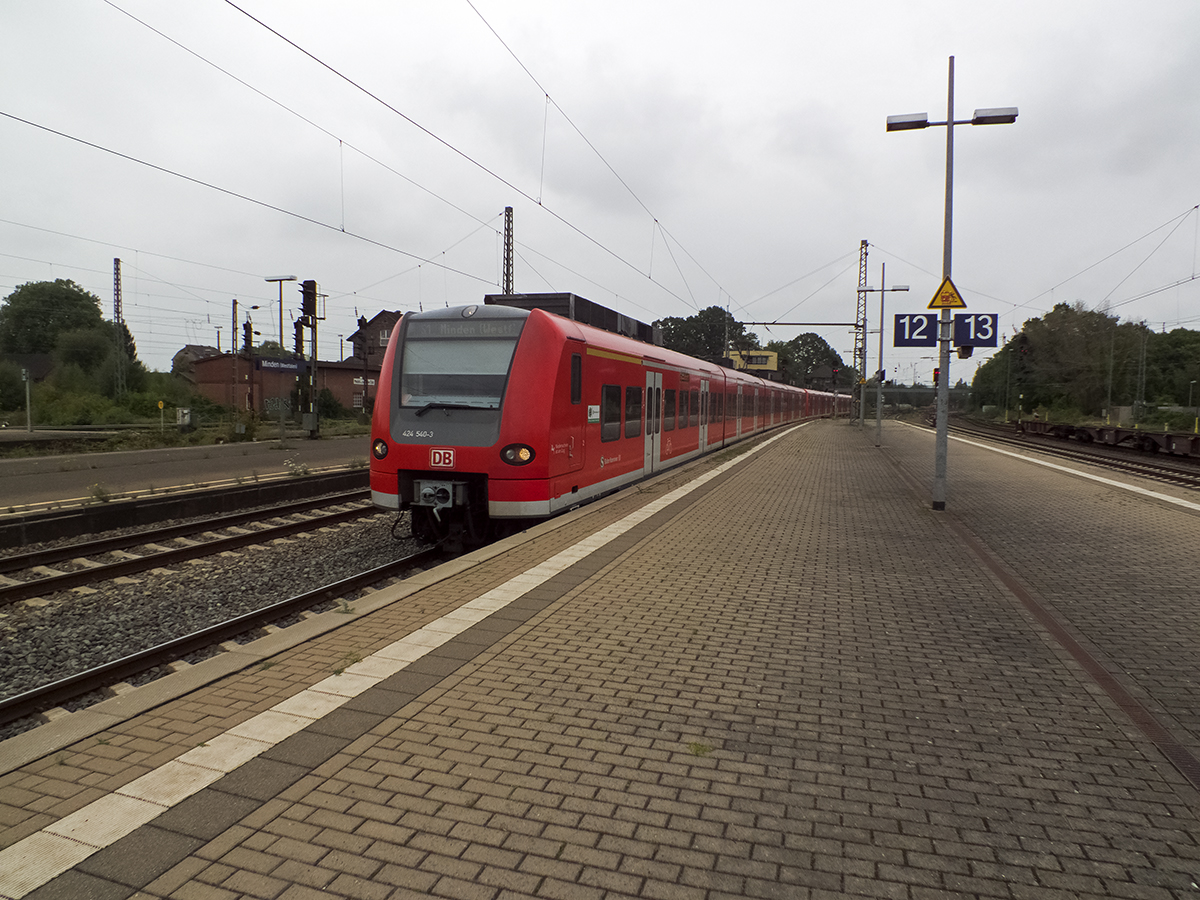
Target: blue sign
x=976, y=329
x=915, y=330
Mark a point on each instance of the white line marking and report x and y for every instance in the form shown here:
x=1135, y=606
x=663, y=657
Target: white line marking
x=35, y=860
x=1132, y=488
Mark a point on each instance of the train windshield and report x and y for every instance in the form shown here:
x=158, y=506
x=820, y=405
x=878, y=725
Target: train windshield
x=457, y=364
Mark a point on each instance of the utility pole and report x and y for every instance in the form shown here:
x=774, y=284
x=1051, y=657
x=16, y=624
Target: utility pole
x=366, y=355
x=280, y=279
x=233, y=356
x=118, y=330
x=860, y=333
x=27, y=378
x=507, y=287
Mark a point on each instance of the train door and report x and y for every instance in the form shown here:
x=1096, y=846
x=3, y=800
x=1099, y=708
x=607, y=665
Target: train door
x=576, y=418
x=652, y=455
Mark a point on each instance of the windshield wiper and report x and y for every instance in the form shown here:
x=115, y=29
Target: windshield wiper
x=428, y=406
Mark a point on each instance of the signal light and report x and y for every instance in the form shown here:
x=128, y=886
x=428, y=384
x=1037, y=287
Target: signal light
x=247, y=336
x=308, y=298
x=937, y=373
x=300, y=337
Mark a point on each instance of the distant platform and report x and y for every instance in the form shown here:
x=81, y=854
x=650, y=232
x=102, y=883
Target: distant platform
x=16, y=435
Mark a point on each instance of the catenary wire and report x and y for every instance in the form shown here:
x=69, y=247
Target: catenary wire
x=455, y=150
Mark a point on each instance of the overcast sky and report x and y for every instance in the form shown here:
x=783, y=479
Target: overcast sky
x=690, y=154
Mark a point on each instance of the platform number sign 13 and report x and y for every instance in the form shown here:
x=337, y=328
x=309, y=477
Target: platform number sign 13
x=976, y=329
x=915, y=330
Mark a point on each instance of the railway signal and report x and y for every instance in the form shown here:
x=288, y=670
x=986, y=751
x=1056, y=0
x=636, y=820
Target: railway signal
x=308, y=298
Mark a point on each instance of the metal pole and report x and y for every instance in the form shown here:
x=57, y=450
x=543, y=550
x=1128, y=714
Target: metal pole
x=280, y=279
x=233, y=354
x=879, y=373
x=942, y=440
x=279, y=372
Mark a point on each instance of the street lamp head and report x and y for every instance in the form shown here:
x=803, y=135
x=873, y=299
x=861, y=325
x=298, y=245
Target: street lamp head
x=909, y=121
x=280, y=278
x=1001, y=115
x=900, y=287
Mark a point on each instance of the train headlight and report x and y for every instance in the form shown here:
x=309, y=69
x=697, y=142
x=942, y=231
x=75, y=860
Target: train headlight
x=517, y=454
x=379, y=448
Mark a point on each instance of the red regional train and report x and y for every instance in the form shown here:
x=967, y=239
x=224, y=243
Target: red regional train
x=490, y=416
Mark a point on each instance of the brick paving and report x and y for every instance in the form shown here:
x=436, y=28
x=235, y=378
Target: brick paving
x=799, y=682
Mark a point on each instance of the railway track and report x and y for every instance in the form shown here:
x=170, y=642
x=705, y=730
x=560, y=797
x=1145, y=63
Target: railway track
x=21, y=528
x=1179, y=472
x=99, y=678
x=195, y=539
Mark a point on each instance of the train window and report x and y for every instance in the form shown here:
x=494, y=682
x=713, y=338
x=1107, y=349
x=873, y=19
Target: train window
x=465, y=366
x=695, y=413
x=633, y=411
x=610, y=412
x=576, y=378
x=683, y=408
x=657, y=409
x=669, y=409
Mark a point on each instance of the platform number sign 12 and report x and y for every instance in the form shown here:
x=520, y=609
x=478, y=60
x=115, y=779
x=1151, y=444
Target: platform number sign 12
x=915, y=330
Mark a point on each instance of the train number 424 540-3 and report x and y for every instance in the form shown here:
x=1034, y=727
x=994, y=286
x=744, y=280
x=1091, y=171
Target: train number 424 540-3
x=410, y=433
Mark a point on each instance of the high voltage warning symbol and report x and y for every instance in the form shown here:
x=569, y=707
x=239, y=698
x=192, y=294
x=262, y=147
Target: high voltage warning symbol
x=947, y=297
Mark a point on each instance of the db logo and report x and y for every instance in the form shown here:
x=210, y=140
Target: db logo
x=441, y=458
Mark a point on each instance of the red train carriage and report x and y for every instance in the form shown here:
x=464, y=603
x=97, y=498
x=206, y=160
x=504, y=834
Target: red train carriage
x=489, y=414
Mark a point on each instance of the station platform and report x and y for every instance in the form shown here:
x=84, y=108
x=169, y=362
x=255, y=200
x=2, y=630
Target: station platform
x=68, y=480
x=771, y=673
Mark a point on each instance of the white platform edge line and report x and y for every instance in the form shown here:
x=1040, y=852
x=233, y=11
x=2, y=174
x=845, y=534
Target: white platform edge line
x=22, y=871
x=1132, y=488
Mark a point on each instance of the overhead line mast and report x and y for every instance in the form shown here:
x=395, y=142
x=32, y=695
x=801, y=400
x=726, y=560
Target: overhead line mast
x=507, y=286
x=860, y=333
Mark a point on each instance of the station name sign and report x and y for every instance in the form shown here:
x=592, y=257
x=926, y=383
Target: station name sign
x=281, y=365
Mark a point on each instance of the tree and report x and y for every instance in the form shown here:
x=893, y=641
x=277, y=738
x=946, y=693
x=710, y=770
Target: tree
x=84, y=347
x=272, y=350
x=803, y=353
x=12, y=386
x=36, y=314
x=1080, y=359
x=706, y=334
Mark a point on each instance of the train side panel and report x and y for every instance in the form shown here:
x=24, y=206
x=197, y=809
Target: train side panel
x=582, y=413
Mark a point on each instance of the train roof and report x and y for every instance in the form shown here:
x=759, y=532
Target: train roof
x=581, y=310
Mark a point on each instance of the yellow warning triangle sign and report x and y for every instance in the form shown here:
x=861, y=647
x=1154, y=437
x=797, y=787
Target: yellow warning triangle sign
x=947, y=297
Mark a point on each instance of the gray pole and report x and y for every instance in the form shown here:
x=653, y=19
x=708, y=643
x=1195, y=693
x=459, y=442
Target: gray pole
x=28, y=400
x=879, y=373
x=279, y=373
x=942, y=440
x=993, y=116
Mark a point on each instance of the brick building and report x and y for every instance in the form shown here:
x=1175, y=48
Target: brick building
x=261, y=384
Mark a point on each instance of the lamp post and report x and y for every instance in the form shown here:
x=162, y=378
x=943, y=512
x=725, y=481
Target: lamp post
x=997, y=116
x=281, y=279
x=881, y=290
